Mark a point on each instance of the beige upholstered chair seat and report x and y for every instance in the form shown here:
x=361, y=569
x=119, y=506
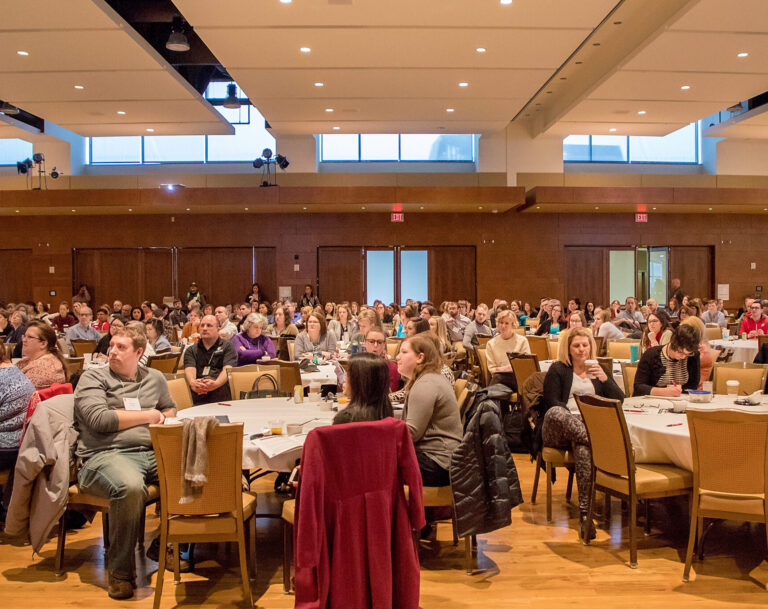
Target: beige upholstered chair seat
x=289, y=510
x=650, y=478
x=731, y=506
x=556, y=456
x=211, y=525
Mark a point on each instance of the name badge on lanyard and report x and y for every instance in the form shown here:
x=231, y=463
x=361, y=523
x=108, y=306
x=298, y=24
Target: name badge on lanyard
x=131, y=404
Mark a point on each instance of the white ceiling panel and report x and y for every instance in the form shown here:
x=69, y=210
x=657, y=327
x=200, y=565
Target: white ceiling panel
x=398, y=126
x=54, y=15
x=171, y=128
x=566, y=128
x=724, y=16
x=623, y=111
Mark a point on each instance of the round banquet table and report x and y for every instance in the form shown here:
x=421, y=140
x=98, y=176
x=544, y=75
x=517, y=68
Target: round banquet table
x=659, y=436
x=743, y=350
x=325, y=375
x=275, y=453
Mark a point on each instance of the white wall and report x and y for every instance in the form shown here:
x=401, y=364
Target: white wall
x=742, y=157
x=525, y=154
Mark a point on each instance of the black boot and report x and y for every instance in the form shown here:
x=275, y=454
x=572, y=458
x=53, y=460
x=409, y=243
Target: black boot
x=586, y=528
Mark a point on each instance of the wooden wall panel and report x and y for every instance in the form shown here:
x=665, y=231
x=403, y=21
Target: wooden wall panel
x=15, y=279
x=156, y=274
x=110, y=274
x=693, y=265
x=265, y=266
x=587, y=274
x=340, y=273
x=223, y=274
x=452, y=274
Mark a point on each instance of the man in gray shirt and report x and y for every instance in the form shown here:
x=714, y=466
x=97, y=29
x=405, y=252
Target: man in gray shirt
x=113, y=407
x=83, y=330
x=478, y=327
x=712, y=315
x=455, y=322
x=630, y=317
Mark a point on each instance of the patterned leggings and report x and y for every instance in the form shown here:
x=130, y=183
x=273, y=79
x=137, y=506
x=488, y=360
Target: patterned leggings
x=564, y=430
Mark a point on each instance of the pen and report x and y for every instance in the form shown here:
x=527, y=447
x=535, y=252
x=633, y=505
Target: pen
x=674, y=424
x=224, y=404
x=629, y=410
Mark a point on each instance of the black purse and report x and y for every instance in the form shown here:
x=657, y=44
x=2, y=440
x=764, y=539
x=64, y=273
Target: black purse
x=258, y=391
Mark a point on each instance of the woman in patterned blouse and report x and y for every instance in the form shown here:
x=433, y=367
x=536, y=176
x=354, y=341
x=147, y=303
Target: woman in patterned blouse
x=41, y=362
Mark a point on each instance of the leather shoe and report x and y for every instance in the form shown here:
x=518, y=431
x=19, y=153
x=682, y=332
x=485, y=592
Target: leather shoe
x=119, y=589
x=587, y=529
x=153, y=553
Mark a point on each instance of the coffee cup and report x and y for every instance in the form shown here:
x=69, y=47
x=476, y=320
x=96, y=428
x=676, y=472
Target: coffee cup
x=589, y=363
x=732, y=387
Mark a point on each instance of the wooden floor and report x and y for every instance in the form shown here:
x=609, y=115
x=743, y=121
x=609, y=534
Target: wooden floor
x=529, y=564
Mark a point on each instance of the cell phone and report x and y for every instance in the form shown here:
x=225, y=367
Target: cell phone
x=294, y=475
x=222, y=418
x=255, y=436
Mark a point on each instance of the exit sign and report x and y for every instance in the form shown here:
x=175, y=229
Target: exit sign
x=398, y=216
x=641, y=217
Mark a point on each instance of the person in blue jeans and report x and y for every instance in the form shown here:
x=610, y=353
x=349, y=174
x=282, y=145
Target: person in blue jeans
x=114, y=406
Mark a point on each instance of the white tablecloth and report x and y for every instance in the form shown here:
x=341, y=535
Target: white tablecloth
x=743, y=350
x=276, y=453
x=326, y=375
x=664, y=438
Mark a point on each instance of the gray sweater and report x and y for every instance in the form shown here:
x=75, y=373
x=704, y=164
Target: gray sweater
x=304, y=345
x=432, y=416
x=100, y=393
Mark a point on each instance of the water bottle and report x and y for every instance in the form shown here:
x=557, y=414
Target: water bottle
x=634, y=350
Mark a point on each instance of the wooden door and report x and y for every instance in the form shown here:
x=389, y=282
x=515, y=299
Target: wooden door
x=340, y=274
x=586, y=275
x=223, y=274
x=15, y=278
x=265, y=267
x=452, y=273
x=694, y=267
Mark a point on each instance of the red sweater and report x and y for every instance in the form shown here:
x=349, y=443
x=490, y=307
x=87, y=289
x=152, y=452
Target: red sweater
x=353, y=543
x=750, y=325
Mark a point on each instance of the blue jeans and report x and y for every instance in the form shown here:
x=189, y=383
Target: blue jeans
x=122, y=477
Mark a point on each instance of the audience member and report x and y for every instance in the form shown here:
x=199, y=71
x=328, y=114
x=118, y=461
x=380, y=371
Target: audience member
x=455, y=323
x=756, y=324
x=41, y=361
x=315, y=339
x=137, y=314
x=343, y=326
x=251, y=345
x=102, y=347
x=255, y=294
x=553, y=323
x=17, y=322
x=206, y=364
x=366, y=387
x=603, y=326
x=657, y=331
x=83, y=330
x=191, y=329
x=195, y=294
x=496, y=349
x=308, y=299
x=630, y=318
x=669, y=369
x=102, y=320
x=279, y=326
x=479, y=327
x=156, y=339
x=376, y=343
x=226, y=328
x=439, y=330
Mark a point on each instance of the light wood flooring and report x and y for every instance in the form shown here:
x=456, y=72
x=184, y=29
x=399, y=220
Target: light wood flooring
x=528, y=565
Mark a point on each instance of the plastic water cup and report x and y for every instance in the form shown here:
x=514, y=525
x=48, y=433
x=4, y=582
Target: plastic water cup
x=726, y=333
x=732, y=387
x=276, y=427
x=707, y=386
x=634, y=352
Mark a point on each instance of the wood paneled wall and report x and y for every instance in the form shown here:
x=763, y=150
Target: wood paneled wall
x=518, y=255
x=15, y=280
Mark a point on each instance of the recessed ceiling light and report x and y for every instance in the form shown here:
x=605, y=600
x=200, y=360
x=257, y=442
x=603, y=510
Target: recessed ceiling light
x=187, y=208
x=480, y=49
x=596, y=207
x=641, y=112
x=329, y=109
x=285, y=1
x=22, y=53
x=363, y=208
x=304, y=208
x=336, y=128
x=505, y=2
x=79, y=87
x=17, y=211
x=150, y=129
x=449, y=110
x=612, y=129
x=319, y=84
x=463, y=84
x=305, y=49
x=121, y=112
x=74, y=210
x=479, y=207
x=710, y=209
x=538, y=207
x=742, y=55
x=421, y=207
x=245, y=208
x=654, y=209
x=685, y=87
x=130, y=209
x=764, y=209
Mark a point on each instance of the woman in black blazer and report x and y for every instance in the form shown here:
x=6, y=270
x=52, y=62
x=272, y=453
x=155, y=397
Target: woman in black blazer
x=669, y=369
x=570, y=376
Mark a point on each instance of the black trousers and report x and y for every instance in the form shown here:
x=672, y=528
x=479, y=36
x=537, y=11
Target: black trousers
x=431, y=473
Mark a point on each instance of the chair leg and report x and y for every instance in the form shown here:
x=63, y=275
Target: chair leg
x=647, y=517
x=691, y=538
x=142, y=528
x=252, y=549
x=607, y=509
x=632, y=539
x=105, y=529
x=700, y=537
x=539, y=463
x=455, y=525
x=247, y=597
x=176, y=563
x=160, y=568
x=569, y=488
x=549, y=491
x=58, y=568
x=287, y=551
x=590, y=508
x=468, y=566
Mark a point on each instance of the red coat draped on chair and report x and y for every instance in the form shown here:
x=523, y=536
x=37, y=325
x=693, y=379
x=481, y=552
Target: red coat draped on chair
x=353, y=530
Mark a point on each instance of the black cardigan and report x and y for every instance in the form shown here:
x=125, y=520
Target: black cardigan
x=557, y=387
x=650, y=370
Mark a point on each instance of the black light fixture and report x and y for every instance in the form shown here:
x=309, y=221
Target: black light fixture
x=38, y=157
x=177, y=41
x=23, y=167
x=9, y=109
x=258, y=164
x=282, y=162
x=231, y=101
x=265, y=161
x=55, y=173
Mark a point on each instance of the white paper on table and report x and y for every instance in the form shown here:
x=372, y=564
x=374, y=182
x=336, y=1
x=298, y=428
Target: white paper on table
x=275, y=445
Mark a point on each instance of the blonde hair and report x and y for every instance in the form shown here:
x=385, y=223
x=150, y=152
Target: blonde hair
x=696, y=322
x=566, y=338
x=506, y=313
x=136, y=332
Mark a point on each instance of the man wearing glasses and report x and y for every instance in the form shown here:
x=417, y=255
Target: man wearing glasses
x=376, y=343
x=83, y=330
x=756, y=324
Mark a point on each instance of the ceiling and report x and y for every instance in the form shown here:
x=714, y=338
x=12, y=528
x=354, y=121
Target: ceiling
x=556, y=67
x=84, y=42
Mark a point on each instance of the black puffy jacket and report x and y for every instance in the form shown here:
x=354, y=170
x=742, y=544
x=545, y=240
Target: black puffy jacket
x=483, y=474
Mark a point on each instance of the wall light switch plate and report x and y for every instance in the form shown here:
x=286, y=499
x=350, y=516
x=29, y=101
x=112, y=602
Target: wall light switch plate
x=296, y=268
x=752, y=266
x=51, y=269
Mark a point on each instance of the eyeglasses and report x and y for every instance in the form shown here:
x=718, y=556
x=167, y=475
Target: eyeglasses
x=374, y=341
x=29, y=337
x=755, y=307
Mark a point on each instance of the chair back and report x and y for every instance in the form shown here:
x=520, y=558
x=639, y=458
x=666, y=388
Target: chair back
x=520, y=331
x=222, y=491
x=393, y=346
x=599, y=346
x=482, y=360
x=64, y=348
x=9, y=348
x=465, y=400
x=733, y=328
x=290, y=376
x=762, y=340
x=621, y=349
x=483, y=340
x=608, y=435
x=539, y=346
x=531, y=322
x=81, y=347
x=606, y=363
x=74, y=365
x=713, y=333
x=243, y=377
x=291, y=349
x=523, y=365
x=628, y=372
x=751, y=377
x=730, y=452
x=459, y=386
x=179, y=390
x=553, y=346
x=165, y=363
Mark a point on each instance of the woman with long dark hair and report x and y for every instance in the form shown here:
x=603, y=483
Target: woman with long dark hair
x=367, y=388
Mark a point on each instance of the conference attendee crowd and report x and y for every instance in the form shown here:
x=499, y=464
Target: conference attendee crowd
x=411, y=355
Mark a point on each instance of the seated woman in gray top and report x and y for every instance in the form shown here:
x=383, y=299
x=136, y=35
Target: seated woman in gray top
x=367, y=387
x=430, y=410
x=343, y=326
x=315, y=339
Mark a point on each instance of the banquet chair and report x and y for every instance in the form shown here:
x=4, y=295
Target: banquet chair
x=549, y=458
x=751, y=377
x=523, y=365
x=482, y=360
x=628, y=372
x=81, y=347
x=613, y=464
x=179, y=390
x=539, y=348
x=483, y=340
x=733, y=328
x=9, y=348
x=64, y=348
x=553, y=346
x=291, y=349
x=621, y=349
x=73, y=365
x=730, y=470
x=531, y=322
x=762, y=340
x=599, y=345
x=243, y=377
x=288, y=516
x=713, y=333
x=165, y=363
x=520, y=331
x=219, y=513
x=442, y=496
x=393, y=346
x=290, y=376
x=459, y=386
x=606, y=363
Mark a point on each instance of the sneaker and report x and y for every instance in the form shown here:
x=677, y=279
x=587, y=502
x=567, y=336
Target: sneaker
x=153, y=553
x=119, y=589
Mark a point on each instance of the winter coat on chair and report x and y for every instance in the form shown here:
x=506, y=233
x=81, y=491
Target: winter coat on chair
x=483, y=473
